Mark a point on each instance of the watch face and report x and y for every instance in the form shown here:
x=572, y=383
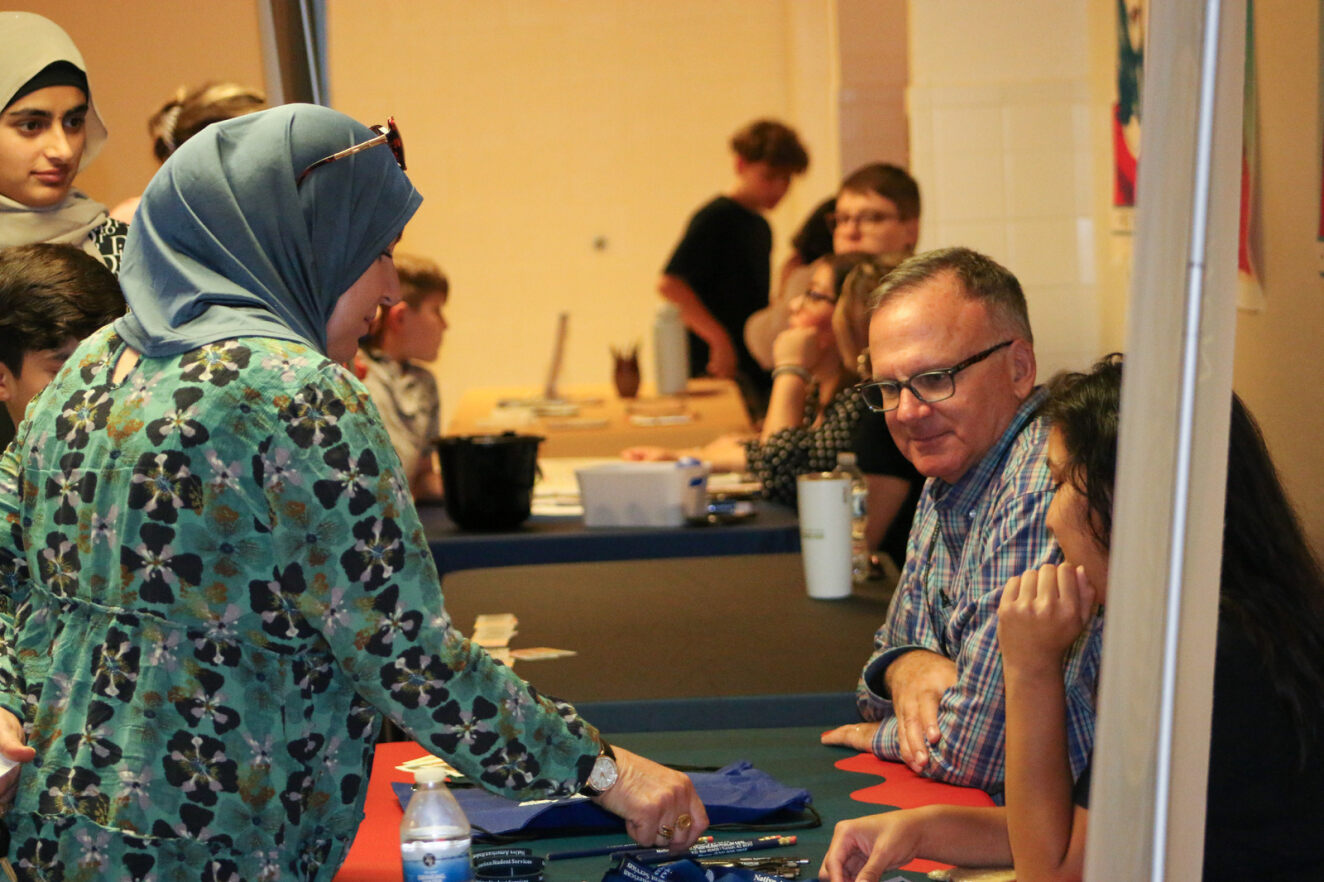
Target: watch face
x=603, y=775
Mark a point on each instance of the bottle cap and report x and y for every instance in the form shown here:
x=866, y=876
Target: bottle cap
x=846, y=457
x=429, y=775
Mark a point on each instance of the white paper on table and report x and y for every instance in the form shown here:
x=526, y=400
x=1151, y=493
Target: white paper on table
x=494, y=630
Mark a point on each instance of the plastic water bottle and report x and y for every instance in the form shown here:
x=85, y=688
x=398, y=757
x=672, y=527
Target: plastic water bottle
x=859, y=515
x=671, y=350
x=434, y=834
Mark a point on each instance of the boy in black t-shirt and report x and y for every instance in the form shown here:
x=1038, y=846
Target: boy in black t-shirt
x=719, y=273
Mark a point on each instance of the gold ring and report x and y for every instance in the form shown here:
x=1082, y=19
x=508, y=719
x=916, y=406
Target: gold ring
x=684, y=822
x=664, y=831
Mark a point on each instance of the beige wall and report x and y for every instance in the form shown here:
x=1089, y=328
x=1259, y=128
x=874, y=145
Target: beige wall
x=1003, y=145
x=873, y=44
x=137, y=55
x=1279, y=370
x=1276, y=369
x=538, y=128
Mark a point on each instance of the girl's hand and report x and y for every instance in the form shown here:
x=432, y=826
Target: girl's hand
x=799, y=346
x=1041, y=614
x=864, y=848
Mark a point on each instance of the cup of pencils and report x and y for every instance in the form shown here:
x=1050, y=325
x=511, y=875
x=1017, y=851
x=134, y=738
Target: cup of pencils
x=625, y=371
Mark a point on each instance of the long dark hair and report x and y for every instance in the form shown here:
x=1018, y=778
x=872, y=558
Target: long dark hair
x=1272, y=588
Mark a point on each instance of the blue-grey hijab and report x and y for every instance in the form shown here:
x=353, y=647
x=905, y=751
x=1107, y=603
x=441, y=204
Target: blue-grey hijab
x=225, y=245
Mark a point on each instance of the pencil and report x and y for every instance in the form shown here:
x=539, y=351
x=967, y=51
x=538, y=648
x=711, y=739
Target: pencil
x=713, y=849
x=616, y=849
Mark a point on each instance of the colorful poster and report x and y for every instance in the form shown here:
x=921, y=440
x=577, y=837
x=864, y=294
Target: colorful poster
x=1126, y=111
x=1319, y=134
x=1250, y=294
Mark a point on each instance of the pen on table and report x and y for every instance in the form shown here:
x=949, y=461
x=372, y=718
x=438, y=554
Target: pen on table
x=785, y=867
x=713, y=849
x=632, y=849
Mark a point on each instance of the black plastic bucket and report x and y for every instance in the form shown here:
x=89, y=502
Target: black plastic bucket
x=488, y=479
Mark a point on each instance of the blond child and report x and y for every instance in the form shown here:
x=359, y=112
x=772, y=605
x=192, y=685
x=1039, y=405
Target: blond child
x=389, y=364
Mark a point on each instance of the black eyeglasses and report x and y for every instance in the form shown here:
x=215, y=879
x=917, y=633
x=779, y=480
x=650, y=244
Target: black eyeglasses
x=930, y=386
x=387, y=134
x=863, y=219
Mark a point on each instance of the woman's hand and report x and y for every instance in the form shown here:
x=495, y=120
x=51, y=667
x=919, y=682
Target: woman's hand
x=863, y=849
x=802, y=347
x=649, y=454
x=1041, y=614
x=13, y=748
x=654, y=801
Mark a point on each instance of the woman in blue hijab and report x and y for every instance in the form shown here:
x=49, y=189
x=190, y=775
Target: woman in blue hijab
x=213, y=582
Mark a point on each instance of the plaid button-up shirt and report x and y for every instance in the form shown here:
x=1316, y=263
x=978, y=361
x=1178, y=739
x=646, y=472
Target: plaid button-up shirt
x=966, y=541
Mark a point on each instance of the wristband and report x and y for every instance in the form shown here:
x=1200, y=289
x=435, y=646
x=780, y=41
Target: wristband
x=790, y=369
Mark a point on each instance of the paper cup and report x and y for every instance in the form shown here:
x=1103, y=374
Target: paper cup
x=825, y=522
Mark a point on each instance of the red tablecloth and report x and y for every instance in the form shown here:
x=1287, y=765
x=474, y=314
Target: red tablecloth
x=375, y=855
x=902, y=788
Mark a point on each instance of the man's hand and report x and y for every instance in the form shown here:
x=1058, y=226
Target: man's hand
x=13, y=748
x=1041, y=614
x=659, y=805
x=916, y=682
x=858, y=736
x=721, y=357
x=863, y=848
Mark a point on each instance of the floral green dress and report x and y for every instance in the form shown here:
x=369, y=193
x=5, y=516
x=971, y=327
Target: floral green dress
x=213, y=584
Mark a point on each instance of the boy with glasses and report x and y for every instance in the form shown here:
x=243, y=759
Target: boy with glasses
x=877, y=211
x=954, y=374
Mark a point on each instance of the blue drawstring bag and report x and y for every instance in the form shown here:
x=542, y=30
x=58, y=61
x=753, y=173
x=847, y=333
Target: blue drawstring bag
x=736, y=797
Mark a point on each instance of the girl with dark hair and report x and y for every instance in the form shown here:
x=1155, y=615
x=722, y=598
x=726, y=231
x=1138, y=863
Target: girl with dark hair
x=1266, y=769
x=49, y=131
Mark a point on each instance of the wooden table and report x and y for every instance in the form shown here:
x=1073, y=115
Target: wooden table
x=603, y=425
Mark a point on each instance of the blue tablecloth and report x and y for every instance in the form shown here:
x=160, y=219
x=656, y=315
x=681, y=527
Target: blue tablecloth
x=542, y=540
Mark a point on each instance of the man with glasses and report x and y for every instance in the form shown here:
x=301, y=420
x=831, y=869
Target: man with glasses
x=954, y=372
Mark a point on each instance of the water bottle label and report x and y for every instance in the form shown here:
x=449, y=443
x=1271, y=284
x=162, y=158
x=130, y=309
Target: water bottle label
x=430, y=866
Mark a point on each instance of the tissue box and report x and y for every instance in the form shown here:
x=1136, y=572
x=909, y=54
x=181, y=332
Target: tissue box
x=642, y=494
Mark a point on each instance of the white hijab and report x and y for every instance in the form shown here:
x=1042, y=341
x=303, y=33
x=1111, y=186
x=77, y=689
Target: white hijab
x=28, y=43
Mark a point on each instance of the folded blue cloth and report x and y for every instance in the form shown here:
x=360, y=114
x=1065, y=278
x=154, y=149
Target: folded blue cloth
x=684, y=871
x=735, y=794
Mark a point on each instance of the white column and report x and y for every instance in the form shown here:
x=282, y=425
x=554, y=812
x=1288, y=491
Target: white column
x=1151, y=756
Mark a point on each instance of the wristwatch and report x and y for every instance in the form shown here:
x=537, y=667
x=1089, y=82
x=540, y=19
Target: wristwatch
x=604, y=773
